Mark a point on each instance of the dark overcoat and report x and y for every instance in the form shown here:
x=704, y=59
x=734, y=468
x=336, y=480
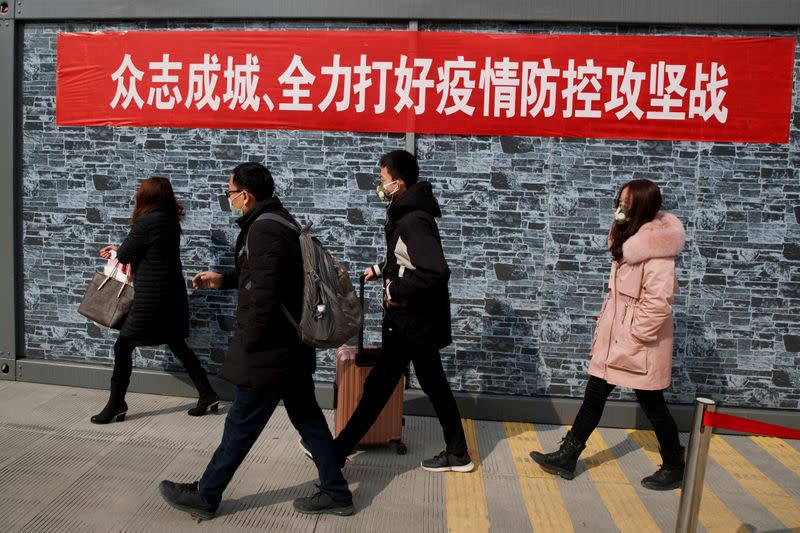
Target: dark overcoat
x=160, y=311
x=266, y=350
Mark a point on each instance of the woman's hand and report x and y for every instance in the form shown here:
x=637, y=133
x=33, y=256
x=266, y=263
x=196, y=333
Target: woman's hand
x=207, y=280
x=105, y=253
x=369, y=274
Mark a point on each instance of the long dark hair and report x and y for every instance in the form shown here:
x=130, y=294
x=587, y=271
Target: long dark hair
x=645, y=205
x=156, y=193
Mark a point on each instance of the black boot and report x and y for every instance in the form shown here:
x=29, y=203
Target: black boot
x=204, y=404
x=670, y=475
x=116, y=408
x=563, y=461
x=208, y=399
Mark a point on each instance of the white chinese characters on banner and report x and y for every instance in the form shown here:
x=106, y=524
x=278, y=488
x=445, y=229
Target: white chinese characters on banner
x=202, y=83
x=505, y=88
x=163, y=97
x=296, y=74
x=714, y=83
x=499, y=84
x=625, y=90
x=587, y=89
x=128, y=93
x=456, y=83
x=538, y=88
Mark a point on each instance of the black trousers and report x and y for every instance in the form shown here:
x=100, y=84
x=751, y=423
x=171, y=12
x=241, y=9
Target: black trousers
x=247, y=417
x=653, y=405
x=398, y=351
x=123, y=361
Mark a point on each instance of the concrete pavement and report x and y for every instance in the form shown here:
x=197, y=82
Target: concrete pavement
x=60, y=473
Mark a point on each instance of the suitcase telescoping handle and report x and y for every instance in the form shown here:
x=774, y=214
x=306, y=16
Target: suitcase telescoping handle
x=364, y=356
x=361, y=281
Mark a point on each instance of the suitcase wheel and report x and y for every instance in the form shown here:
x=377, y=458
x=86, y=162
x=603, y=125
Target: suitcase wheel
x=400, y=448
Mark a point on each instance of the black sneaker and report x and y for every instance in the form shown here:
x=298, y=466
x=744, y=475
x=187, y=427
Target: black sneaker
x=447, y=462
x=321, y=503
x=186, y=497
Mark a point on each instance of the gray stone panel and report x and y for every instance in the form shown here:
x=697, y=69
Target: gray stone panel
x=524, y=227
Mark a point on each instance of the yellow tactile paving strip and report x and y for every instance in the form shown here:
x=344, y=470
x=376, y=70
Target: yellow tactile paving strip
x=780, y=450
x=714, y=514
x=614, y=487
x=546, y=509
x=467, y=509
x=543, y=500
x=767, y=492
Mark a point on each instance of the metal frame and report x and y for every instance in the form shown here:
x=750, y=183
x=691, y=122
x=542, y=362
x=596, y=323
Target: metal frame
x=545, y=410
x=9, y=124
x=716, y=12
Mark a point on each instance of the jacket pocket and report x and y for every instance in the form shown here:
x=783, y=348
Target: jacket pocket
x=598, y=321
x=628, y=354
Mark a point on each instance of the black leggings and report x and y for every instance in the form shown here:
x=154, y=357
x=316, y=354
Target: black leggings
x=653, y=405
x=123, y=359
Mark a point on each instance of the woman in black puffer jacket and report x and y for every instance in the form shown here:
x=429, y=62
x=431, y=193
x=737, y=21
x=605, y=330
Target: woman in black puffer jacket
x=160, y=310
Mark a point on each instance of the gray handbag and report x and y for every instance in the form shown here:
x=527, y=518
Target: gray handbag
x=107, y=301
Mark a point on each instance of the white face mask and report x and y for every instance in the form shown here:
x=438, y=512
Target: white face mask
x=236, y=211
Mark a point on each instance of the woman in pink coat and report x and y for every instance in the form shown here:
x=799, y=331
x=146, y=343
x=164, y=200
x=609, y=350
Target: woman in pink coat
x=632, y=344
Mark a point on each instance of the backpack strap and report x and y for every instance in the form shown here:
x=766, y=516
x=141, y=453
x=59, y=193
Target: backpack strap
x=267, y=216
x=246, y=248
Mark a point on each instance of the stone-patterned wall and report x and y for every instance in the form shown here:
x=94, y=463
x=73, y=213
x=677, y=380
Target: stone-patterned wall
x=524, y=226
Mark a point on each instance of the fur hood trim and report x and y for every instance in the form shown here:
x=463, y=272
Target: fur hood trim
x=663, y=236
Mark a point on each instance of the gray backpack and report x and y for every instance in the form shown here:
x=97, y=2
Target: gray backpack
x=331, y=313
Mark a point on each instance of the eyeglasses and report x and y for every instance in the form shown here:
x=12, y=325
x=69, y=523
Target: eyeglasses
x=235, y=191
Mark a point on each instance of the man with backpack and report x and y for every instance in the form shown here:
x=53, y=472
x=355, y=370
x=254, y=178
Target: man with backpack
x=266, y=361
x=416, y=322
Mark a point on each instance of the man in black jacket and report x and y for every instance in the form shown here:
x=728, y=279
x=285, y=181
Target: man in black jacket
x=266, y=359
x=416, y=322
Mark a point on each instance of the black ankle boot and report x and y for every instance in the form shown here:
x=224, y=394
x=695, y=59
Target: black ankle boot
x=111, y=411
x=115, y=409
x=563, y=461
x=208, y=399
x=205, y=403
x=670, y=475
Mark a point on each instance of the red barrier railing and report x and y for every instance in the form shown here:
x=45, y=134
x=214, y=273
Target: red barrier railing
x=737, y=423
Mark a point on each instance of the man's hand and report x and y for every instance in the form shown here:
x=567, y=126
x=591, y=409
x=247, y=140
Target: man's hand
x=391, y=303
x=207, y=280
x=369, y=275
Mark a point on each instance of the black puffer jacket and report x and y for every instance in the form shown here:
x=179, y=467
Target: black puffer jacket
x=265, y=350
x=417, y=269
x=160, y=311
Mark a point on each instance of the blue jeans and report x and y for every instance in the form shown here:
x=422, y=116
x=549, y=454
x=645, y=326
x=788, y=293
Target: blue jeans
x=247, y=417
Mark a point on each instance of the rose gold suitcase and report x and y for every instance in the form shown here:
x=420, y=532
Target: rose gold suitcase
x=349, y=386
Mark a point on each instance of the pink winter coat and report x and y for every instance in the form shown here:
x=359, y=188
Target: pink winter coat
x=632, y=344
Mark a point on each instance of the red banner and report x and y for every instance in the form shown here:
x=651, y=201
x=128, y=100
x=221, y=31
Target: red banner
x=630, y=87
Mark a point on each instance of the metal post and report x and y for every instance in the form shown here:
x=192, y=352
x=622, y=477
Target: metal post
x=695, y=472
x=411, y=138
